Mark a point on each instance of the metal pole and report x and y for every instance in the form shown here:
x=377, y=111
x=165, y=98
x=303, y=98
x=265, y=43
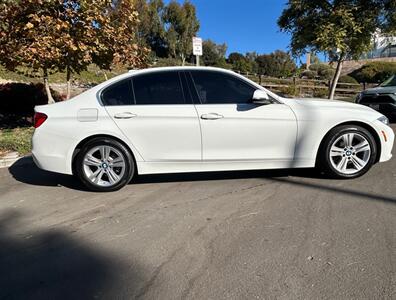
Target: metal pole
x=197, y=60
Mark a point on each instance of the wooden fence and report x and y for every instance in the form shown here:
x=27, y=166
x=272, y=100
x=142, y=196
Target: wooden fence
x=305, y=87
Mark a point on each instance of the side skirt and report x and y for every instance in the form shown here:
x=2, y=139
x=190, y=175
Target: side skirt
x=212, y=166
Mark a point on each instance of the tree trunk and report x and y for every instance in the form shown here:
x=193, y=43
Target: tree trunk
x=68, y=79
x=183, y=59
x=336, y=77
x=47, y=87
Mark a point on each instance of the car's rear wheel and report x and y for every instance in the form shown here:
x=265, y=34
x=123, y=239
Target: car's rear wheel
x=104, y=165
x=347, y=152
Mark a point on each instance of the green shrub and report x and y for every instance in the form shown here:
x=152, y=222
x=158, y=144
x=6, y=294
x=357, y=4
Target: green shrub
x=289, y=91
x=374, y=72
x=347, y=79
x=319, y=67
x=320, y=93
x=309, y=74
x=327, y=74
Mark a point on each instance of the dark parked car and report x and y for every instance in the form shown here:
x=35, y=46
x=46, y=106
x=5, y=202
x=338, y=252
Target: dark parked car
x=381, y=98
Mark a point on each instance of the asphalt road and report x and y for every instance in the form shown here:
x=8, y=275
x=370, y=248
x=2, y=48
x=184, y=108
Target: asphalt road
x=247, y=235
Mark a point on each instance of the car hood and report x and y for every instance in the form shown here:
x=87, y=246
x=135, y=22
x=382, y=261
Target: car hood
x=380, y=90
x=324, y=103
x=335, y=107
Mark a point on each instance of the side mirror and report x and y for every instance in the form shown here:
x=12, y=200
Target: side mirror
x=261, y=97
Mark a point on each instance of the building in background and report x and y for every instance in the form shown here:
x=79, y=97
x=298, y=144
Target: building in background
x=383, y=46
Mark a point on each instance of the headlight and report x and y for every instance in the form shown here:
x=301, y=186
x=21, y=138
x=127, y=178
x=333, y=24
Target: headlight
x=384, y=120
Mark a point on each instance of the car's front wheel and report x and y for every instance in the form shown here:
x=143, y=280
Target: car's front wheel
x=347, y=152
x=104, y=165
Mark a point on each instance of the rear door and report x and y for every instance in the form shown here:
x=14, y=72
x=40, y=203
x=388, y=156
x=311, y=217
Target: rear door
x=156, y=115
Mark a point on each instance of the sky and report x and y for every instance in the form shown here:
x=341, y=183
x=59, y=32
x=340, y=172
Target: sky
x=244, y=25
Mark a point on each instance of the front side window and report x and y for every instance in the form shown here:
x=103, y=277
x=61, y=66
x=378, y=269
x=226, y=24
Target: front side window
x=158, y=88
x=119, y=93
x=219, y=88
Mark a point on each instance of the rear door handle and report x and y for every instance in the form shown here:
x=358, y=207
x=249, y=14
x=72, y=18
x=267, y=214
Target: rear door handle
x=211, y=116
x=125, y=115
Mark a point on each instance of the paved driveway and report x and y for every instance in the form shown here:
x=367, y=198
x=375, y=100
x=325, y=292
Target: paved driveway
x=247, y=235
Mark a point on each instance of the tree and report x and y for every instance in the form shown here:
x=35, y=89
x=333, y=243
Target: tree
x=342, y=28
x=30, y=38
x=234, y=57
x=251, y=57
x=375, y=72
x=265, y=65
x=213, y=54
x=239, y=62
x=117, y=36
x=182, y=25
x=79, y=25
x=43, y=36
x=151, y=30
x=276, y=64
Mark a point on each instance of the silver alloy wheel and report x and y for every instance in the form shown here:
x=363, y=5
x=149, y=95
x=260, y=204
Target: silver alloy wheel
x=104, y=165
x=350, y=153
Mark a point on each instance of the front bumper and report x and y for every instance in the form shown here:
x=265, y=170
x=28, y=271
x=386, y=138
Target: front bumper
x=387, y=137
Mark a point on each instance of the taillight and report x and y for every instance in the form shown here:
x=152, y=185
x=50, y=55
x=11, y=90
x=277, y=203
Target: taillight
x=39, y=118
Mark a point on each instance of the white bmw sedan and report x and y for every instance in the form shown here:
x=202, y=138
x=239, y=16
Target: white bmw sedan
x=196, y=119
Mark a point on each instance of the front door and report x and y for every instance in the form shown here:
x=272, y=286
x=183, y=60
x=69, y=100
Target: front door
x=235, y=129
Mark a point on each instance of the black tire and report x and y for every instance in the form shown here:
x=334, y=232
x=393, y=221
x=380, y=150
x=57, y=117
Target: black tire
x=127, y=174
x=324, y=160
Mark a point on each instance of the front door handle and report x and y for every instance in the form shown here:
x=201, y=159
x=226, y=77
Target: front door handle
x=211, y=116
x=125, y=115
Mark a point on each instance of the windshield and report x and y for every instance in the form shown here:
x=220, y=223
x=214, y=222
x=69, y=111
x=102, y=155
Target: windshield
x=391, y=81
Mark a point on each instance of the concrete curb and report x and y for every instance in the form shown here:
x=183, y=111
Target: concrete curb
x=9, y=159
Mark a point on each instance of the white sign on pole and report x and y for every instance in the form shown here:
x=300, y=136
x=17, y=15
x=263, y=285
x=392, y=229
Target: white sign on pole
x=197, y=46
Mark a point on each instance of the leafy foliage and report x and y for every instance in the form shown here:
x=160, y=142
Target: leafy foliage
x=374, y=72
x=347, y=79
x=277, y=64
x=182, y=25
x=44, y=36
x=309, y=74
x=345, y=25
x=213, y=54
x=151, y=28
x=239, y=62
x=342, y=28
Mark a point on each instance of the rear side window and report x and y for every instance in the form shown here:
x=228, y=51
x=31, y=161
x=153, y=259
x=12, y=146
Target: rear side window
x=119, y=93
x=158, y=88
x=220, y=88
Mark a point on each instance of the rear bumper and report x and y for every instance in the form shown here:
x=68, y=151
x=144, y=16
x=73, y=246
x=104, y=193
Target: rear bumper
x=50, y=152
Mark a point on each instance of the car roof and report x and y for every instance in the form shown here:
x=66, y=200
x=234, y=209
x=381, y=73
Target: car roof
x=179, y=68
x=135, y=72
